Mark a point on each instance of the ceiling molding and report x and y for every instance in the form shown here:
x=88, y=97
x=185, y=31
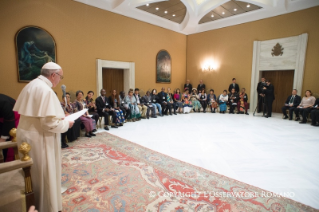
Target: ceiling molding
x=197, y=9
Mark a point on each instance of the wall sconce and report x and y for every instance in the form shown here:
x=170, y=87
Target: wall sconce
x=208, y=68
x=209, y=65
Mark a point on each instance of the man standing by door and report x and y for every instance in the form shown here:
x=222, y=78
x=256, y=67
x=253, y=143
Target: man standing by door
x=260, y=86
x=269, y=94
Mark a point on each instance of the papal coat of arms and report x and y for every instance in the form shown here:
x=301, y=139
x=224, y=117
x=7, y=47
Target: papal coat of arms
x=277, y=50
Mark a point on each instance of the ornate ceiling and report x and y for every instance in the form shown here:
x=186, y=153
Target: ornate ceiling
x=193, y=16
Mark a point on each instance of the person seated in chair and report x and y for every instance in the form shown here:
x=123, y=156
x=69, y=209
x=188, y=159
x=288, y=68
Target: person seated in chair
x=305, y=107
x=80, y=104
x=104, y=109
x=156, y=102
x=232, y=100
x=187, y=104
x=195, y=100
x=242, y=104
x=222, y=100
x=146, y=100
x=124, y=107
x=140, y=105
x=131, y=101
x=162, y=98
x=92, y=107
x=212, y=101
x=170, y=100
x=74, y=132
x=178, y=100
x=115, y=105
x=202, y=96
x=291, y=104
x=315, y=114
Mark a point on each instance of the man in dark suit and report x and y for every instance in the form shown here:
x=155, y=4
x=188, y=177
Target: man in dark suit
x=200, y=86
x=315, y=114
x=104, y=109
x=269, y=94
x=259, y=91
x=233, y=85
x=291, y=103
x=232, y=100
x=6, y=112
x=166, y=106
x=188, y=85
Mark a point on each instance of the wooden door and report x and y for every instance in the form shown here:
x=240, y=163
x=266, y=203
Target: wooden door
x=282, y=82
x=113, y=79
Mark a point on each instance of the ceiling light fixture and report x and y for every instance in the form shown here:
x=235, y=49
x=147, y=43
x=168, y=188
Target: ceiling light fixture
x=235, y=9
x=248, y=5
x=212, y=16
x=147, y=5
x=157, y=8
x=165, y=12
x=173, y=14
x=223, y=13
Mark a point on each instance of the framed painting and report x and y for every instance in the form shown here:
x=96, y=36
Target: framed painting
x=163, y=67
x=34, y=47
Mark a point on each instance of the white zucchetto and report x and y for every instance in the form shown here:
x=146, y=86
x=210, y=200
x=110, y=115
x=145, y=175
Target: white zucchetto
x=51, y=65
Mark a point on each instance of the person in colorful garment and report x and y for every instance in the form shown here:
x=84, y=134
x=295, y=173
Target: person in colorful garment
x=124, y=107
x=242, y=105
x=194, y=99
x=74, y=132
x=115, y=104
x=80, y=104
x=187, y=104
x=212, y=102
x=92, y=107
x=178, y=100
x=223, y=99
x=170, y=100
x=131, y=101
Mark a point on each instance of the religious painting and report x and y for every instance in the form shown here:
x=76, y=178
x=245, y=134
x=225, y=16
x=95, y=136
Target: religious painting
x=163, y=67
x=34, y=48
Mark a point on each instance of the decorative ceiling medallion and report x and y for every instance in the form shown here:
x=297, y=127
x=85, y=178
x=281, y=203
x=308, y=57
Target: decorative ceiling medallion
x=277, y=50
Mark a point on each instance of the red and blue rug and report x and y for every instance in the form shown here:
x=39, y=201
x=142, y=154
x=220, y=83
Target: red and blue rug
x=108, y=173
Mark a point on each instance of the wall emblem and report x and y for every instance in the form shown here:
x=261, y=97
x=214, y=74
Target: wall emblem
x=277, y=50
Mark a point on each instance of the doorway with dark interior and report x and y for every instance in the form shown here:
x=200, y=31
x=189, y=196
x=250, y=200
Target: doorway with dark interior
x=283, y=84
x=113, y=79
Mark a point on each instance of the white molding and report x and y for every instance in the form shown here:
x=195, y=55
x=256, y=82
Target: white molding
x=129, y=73
x=294, y=59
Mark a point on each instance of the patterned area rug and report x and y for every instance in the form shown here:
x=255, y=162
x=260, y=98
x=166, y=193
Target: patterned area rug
x=108, y=173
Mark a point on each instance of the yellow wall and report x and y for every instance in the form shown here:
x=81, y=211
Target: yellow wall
x=232, y=49
x=84, y=34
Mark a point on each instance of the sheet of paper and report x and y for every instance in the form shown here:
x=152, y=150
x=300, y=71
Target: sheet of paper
x=76, y=115
x=90, y=116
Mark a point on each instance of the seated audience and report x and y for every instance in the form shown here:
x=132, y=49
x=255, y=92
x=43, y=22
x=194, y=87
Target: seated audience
x=178, y=100
x=305, y=107
x=115, y=106
x=92, y=107
x=200, y=86
x=242, y=104
x=162, y=98
x=187, y=104
x=233, y=85
x=315, y=114
x=291, y=103
x=131, y=101
x=146, y=100
x=140, y=105
x=211, y=100
x=80, y=104
x=156, y=102
x=124, y=107
x=74, y=132
x=222, y=101
x=104, y=109
x=203, y=99
x=232, y=100
x=170, y=100
x=195, y=100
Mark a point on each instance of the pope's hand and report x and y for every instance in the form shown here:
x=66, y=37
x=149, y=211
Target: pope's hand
x=71, y=123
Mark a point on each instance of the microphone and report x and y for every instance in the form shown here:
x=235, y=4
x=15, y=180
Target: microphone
x=63, y=87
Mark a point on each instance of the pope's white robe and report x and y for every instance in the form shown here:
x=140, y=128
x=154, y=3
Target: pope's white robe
x=40, y=125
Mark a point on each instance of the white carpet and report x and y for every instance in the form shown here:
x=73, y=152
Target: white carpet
x=273, y=154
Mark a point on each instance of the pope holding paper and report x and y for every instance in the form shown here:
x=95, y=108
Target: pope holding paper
x=41, y=122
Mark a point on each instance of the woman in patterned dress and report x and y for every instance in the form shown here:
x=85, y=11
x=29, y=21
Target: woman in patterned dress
x=115, y=104
x=223, y=99
x=194, y=98
x=131, y=101
x=178, y=100
x=187, y=104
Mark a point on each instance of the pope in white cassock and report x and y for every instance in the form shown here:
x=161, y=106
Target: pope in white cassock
x=40, y=125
